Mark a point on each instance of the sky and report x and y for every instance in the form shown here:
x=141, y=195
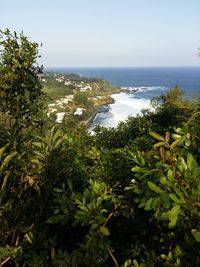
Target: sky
x=108, y=33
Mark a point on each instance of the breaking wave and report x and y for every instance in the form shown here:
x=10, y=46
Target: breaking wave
x=127, y=104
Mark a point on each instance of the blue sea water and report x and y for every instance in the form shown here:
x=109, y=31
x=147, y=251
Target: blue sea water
x=150, y=82
x=188, y=78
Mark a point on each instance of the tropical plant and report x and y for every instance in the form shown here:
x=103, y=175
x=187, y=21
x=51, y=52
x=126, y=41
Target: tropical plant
x=20, y=85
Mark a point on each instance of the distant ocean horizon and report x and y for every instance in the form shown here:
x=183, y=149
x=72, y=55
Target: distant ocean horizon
x=149, y=81
x=188, y=78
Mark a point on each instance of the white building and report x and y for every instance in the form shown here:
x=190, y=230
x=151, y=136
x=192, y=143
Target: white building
x=79, y=111
x=60, y=117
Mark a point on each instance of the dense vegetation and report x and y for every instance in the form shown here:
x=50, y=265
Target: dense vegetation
x=125, y=197
x=57, y=85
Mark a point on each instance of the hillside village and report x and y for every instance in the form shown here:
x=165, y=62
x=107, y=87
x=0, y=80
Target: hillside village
x=74, y=99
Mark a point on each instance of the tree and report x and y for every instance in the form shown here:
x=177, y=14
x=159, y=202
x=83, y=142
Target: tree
x=173, y=96
x=20, y=86
x=81, y=99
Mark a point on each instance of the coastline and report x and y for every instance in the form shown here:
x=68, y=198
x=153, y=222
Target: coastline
x=97, y=110
x=89, y=122
x=125, y=104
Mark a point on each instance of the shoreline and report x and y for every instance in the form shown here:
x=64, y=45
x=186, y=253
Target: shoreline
x=97, y=110
x=125, y=105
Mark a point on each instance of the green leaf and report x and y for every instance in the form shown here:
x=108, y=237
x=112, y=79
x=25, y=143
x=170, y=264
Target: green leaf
x=37, y=144
x=188, y=142
x=148, y=205
x=179, y=130
x=57, y=190
x=170, y=175
x=157, y=136
x=56, y=218
x=57, y=135
x=167, y=137
x=2, y=150
x=58, y=143
x=196, y=234
x=178, y=251
x=196, y=172
x=141, y=205
x=7, y=160
x=162, y=216
x=127, y=263
x=182, y=164
x=178, y=192
x=2, y=193
x=135, y=263
x=166, y=200
x=104, y=230
x=138, y=169
x=159, y=144
x=154, y=187
x=175, y=143
x=154, y=203
x=176, y=136
x=39, y=155
x=36, y=162
x=142, y=161
x=191, y=162
x=173, y=215
x=29, y=237
x=163, y=181
x=174, y=198
x=5, y=180
x=163, y=256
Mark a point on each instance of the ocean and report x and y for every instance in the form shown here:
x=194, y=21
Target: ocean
x=150, y=82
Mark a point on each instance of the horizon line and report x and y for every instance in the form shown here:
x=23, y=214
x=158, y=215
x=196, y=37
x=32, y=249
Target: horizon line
x=117, y=67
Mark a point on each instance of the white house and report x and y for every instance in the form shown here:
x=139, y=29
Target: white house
x=79, y=111
x=60, y=117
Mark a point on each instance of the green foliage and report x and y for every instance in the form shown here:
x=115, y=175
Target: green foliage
x=128, y=196
x=173, y=96
x=172, y=196
x=81, y=99
x=90, y=205
x=20, y=86
x=56, y=92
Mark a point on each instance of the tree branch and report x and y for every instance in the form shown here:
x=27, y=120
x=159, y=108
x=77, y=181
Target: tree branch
x=113, y=257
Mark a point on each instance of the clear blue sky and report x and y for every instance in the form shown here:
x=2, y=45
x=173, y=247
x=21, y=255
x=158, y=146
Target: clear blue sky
x=87, y=33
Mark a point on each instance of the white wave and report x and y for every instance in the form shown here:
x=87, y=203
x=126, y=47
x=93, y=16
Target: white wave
x=151, y=88
x=125, y=106
x=136, y=104
x=143, y=88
